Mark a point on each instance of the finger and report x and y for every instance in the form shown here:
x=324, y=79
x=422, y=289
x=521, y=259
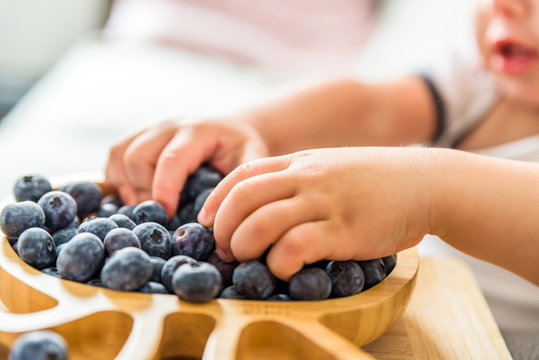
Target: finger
x=208, y=214
x=269, y=223
x=115, y=175
x=303, y=244
x=141, y=156
x=180, y=158
x=247, y=196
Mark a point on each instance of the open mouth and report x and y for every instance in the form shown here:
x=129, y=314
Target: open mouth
x=513, y=57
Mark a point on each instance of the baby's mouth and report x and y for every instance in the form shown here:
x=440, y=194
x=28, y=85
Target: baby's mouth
x=512, y=57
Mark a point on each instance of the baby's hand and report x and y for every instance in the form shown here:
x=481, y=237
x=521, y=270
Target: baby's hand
x=155, y=163
x=337, y=203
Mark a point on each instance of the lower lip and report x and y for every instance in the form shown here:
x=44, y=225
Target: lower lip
x=513, y=65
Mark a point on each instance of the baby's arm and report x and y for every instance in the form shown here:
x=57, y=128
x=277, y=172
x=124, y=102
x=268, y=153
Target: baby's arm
x=347, y=112
x=363, y=203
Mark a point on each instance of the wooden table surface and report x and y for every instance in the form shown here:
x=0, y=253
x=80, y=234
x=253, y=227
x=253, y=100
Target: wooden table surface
x=447, y=318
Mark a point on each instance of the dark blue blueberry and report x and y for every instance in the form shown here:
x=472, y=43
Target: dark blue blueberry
x=15, y=248
x=113, y=199
x=170, y=268
x=279, y=297
x=389, y=263
x=174, y=223
x=230, y=292
x=199, y=282
x=374, y=272
x=74, y=224
x=64, y=235
x=15, y=218
x=52, y=271
x=157, y=266
x=187, y=214
x=31, y=188
x=36, y=248
x=39, y=345
x=346, y=278
x=310, y=284
x=106, y=210
x=193, y=240
x=203, y=178
x=127, y=270
x=152, y=287
x=123, y=221
x=87, y=195
x=150, y=211
x=254, y=280
x=95, y=282
x=154, y=239
x=81, y=258
x=126, y=210
x=60, y=209
x=97, y=226
x=59, y=249
x=201, y=199
x=226, y=269
x=118, y=239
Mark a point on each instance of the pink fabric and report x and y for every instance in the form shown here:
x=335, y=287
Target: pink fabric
x=290, y=35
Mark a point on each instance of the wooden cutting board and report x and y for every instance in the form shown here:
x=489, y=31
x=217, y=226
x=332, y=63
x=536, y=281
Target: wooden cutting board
x=447, y=318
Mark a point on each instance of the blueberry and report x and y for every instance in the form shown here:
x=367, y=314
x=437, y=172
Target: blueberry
x=198, y=282
x=113, y=199
x=59, y=249
x=374, y=272
x=193, y=240
x=123, y=221
x=81, y=258
x=203, y=178
x=127, y=270
x=226, y=269
x=187, y=214
x=39, y=345
x=201, y=199
x=157, y=267
x=230, y=292
x=15, y=247
x=97, y=226
x=279, y=297
x=64, y=235
x=310, y=284
x=389, y=263
x=174, y=223
x=171, y=266
x=118, y=239
x=36, y=248
x=346, y=278
x=126, y=210
x=154, y=239
x=153, y=288
x=87, y=195
x=254, y=280
x=75, y=223
x=15, y=218
x=150, y=211
x=52, y=271
x=106, y=210
x=60, y=209
x=31, y=188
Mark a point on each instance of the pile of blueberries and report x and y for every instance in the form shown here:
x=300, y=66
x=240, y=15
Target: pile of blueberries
x=136, y=248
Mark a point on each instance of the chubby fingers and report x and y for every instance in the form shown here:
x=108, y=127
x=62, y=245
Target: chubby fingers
x=180, y=157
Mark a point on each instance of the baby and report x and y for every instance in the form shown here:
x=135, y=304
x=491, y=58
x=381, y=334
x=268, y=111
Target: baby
x=317, y=174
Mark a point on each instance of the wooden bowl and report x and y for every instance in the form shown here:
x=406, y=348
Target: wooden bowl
x=105, y=324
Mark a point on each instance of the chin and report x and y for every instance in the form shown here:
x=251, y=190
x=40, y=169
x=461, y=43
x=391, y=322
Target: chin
x=522, y=93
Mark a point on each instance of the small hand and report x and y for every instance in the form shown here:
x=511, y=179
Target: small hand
x=336, y=203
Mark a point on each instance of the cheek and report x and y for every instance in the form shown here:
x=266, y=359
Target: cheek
x=482, y=19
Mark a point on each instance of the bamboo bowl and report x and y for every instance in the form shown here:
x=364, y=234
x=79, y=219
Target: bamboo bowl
x=99, y=323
